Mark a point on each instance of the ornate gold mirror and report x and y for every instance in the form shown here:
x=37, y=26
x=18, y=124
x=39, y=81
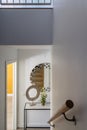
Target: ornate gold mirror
x=37, y=78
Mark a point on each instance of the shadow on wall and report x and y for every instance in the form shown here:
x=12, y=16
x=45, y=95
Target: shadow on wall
x=26, y=26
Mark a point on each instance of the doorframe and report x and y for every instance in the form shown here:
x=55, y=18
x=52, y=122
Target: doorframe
x=14, y=90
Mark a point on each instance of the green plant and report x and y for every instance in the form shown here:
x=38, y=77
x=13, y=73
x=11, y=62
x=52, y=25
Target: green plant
x=43, y=96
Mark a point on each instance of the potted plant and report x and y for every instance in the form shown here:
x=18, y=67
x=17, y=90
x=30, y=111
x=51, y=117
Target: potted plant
x=43, y=96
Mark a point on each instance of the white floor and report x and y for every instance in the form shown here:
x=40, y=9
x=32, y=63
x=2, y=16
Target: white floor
x=9, y=113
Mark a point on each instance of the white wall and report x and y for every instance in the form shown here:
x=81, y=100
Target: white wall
x=70, y=61
x=6, y=54
x=27, y=60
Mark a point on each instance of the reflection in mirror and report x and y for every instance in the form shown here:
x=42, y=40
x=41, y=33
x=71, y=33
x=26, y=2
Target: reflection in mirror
x=33, y=93
x=39, y=77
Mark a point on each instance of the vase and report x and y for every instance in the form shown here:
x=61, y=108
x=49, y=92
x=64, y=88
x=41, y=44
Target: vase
x=43, y=103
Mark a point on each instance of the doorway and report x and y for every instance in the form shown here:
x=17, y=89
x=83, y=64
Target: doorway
x=11, y=96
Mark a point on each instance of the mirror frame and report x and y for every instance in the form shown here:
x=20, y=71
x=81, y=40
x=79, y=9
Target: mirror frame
x=28, y=95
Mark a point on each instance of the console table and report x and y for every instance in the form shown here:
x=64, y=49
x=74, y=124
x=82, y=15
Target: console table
x=36, y=116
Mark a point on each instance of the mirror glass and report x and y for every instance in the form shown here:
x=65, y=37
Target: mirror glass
x=33, y=93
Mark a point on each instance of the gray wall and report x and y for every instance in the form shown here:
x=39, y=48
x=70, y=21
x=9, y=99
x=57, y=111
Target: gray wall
x=6, y=54
x=26, y=26
x=70, y=61
x=2, y=95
